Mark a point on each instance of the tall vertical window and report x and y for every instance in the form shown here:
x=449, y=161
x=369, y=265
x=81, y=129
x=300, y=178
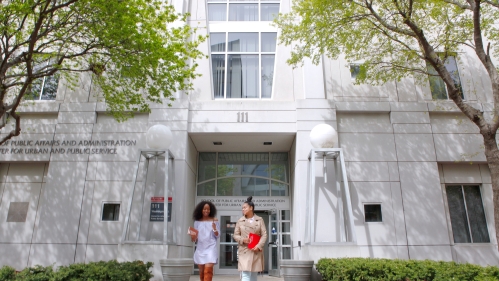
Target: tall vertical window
x=467, y=214
x=437, y=85
x=242, y=10
x=249, y=58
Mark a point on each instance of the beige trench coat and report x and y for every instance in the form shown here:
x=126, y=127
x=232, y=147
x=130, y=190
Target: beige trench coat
x=250, y=260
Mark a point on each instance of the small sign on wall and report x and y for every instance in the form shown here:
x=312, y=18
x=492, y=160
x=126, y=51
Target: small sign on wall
x=158, y=209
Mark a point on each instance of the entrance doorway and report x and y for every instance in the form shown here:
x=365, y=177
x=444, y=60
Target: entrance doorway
x=228, y=259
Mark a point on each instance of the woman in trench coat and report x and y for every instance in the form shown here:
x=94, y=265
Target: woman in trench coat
x=250, y=260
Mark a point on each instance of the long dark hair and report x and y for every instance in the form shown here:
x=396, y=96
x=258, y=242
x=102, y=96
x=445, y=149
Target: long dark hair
x=198, y=211
x=250, y=202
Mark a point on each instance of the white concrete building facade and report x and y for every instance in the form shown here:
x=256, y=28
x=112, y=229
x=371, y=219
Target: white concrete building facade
x=418, y=183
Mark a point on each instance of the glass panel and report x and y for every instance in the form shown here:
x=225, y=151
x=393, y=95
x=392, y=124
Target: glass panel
x=207, y=167
x=285, y=215
x=269, y=41
x=372, y=213
x=36, y=89
x=228, y=248
x=50, y=87
x=451, y=65
x=273, y=217
x=218, y=69
x=235, y=164
x=286, y=253
x=269, y=11
x=243, y=80
x=243, y=42
x=229, y=187
x=286, y=239
x=476, y=214
x=274, y=258
x=273, y=227
x=457, y=212
x=267, y=75
x=354, y=70
x=243, y=12
x=206, y=189
x=279, y=189
x=285, y=227
x=244, y=186
x=111, y=212
x=437, y=85
x=217, y=42
x=217, y=12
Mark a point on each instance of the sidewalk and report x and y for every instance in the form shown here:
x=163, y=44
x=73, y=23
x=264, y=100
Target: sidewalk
x=264, y=277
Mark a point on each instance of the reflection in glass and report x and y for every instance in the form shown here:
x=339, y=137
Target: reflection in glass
x=286, y=227
x=279, y=189
x=243, y=41
x=286, y=253
x=228, y=248
x=269, y=12
x=50, y=87
x=243, y=76
x=207, y=167
x=286, y=239
x=267, y=75
x=217, y=42
x=269, y=41
x=217, y=12
x=285, y=215
x=218, y=74
x=243, y=12
x=476, y=214
x=206, y=189
x=274, y=257
x=243, y=186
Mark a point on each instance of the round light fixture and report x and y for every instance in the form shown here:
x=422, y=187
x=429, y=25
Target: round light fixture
x=323, y=136
x=159, y=137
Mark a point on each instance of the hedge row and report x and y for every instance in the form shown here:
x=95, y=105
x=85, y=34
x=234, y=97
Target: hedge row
x=96, y=271
x=362, y=269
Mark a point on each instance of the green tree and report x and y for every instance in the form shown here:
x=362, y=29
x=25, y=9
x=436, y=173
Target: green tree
x=137, y=51
x=404, y=38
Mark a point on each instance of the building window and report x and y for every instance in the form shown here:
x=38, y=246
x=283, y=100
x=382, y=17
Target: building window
x=249, y=58
x=467, y=214
x=354, y=70
x=111, y=212
x=437, y=85
x=372, y=213
x=243, y=174
x=241, y=10
x=18, y=212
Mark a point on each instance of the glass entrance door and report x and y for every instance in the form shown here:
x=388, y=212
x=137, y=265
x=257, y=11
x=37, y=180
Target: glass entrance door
x=280, y=246
x=227, y=262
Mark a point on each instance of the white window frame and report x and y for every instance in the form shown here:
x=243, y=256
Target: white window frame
x=226, y=53
x=445, y=87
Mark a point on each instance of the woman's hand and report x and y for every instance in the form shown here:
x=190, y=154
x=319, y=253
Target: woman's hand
x=194, y=237
x=256, y=249
x=246, y=240
x=214, y=226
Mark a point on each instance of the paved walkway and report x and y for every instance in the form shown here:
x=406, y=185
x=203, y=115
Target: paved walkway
x=219, y=277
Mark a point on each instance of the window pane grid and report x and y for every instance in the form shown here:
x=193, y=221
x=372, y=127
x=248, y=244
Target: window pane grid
x=250, y=71
x=240, y=174
x=243, y=10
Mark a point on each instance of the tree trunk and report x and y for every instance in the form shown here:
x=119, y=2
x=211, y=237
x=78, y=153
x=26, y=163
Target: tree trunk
x=492, y=155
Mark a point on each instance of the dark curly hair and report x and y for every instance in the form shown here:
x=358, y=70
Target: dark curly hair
x=198, y=211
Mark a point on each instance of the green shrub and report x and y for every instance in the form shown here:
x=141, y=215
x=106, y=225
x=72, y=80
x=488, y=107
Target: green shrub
x=93, y=271
x=367, y=269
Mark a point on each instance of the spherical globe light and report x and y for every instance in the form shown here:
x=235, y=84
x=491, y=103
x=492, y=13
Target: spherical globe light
x=323, y=136
x=159, y=137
